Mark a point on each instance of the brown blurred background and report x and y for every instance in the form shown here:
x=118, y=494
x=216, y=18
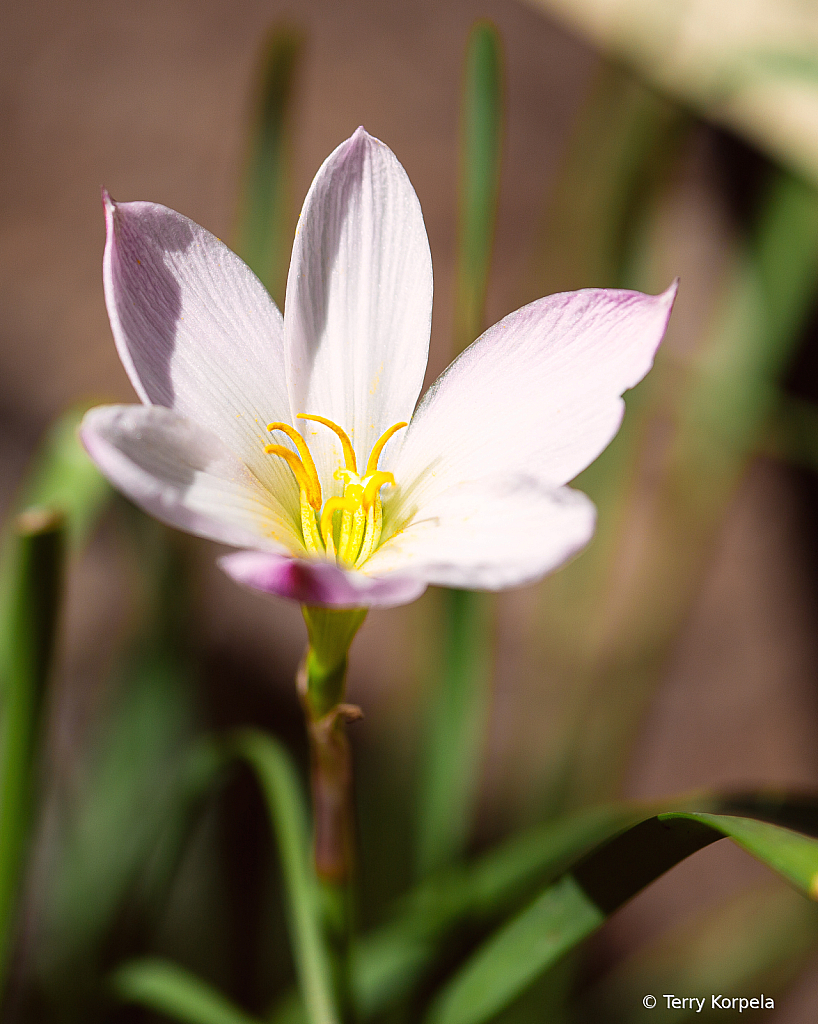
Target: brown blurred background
x=152, y=100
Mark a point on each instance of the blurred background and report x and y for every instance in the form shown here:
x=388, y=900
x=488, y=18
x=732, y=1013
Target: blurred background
x=680, y=652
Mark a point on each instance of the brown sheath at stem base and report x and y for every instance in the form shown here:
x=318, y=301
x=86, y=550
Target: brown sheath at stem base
x=331, y=782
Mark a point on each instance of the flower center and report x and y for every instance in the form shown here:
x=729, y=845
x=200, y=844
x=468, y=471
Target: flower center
x=360, y=507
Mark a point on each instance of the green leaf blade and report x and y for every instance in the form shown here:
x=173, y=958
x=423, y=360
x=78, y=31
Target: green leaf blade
x=34, y=569
x=569, y=910
x=288, y=814
x=481, y=141
x=554, y=923
x=171, y=990
x=263, y=230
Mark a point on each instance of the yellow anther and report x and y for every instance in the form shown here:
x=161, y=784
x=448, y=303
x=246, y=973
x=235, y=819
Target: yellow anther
x=346, y=444
x=301, y=474
x=332, y=505
x=314, y=489
x=374, y=483
x=377, y=448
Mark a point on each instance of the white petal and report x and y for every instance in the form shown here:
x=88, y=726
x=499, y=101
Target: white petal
x=183, y=475
x=538, y=393
x=488, y=536
x=359, y=300
x=196, y=331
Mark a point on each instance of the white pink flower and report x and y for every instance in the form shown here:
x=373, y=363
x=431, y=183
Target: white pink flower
x=280, y=435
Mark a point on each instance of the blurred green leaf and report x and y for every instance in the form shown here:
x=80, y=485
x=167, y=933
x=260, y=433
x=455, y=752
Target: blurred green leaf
x=389, y=960
x=288, y=815
x=571, y=909
x=757, y=941
x=171, y=990
x=459, y=707
x=263, y=236
x=623, y=143
x=62, y=476
x=34, y=569
x=455, y=731
x=555, y=922
x=137, y=792
x=716, y=404
x=793, y=433
x=481, y=141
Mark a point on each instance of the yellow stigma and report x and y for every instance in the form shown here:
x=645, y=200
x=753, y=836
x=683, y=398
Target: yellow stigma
x=360, y=505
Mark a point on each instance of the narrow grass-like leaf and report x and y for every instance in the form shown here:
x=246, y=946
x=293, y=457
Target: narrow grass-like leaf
x=28, y=624
x=567, y=912
x=263, y=236
x=288, y=814
x=622, y=145
x=389, y=960
x=171, y=990
x=555, y=922
x=454, y=739
x=455, y=731
x=62, y=476
x=481, y=140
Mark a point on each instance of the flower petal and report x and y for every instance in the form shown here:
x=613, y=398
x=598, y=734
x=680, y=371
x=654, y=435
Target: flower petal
x=185, y=476
x=538, y=393
x=318, y=583
x=489, y=535
x=196, y=330
x=359, y=300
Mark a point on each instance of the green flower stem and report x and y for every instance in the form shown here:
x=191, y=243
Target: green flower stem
x=321, y=687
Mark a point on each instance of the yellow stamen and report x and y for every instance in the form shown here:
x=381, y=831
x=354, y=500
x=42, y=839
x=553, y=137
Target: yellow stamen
x=377, y=448
x=374, y=525
x=352, y=493
x=346, y=444
x=350, y=552
x=314, y=489
x=332, y=505
x=309, y=527
x=301, y=474
x=361, y=507
x=373, y=485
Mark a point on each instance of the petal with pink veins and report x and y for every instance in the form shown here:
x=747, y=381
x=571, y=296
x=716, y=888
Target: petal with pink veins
x=489, y=535
x=359, y=300
x=196, y=331
x=539, y=394
x=180, y=473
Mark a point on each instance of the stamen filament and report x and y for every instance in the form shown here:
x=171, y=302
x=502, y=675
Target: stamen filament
x=314, y=489
x=350, y=553
x=374, y=525
x=377, y=448
x=309, y=527
x=300, y=472
x=346, y=444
